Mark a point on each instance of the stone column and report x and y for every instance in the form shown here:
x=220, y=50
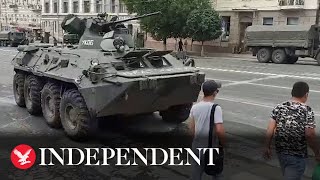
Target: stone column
x=60, y=6
x=51, y=6
x=70, y=7
x=92, y=6
x=43, y=6
x=80, y=6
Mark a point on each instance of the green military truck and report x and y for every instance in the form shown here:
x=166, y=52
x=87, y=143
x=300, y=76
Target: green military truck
x=12, y=38
x=283, y=44
x=70, y=38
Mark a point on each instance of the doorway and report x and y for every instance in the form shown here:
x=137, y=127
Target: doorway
x=245, y=22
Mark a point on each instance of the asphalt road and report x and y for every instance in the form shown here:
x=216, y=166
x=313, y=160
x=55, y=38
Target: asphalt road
x=250, y=91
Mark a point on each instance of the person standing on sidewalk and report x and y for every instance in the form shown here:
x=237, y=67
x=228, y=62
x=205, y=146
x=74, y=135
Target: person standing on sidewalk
x=293, y=125
x=200, y=122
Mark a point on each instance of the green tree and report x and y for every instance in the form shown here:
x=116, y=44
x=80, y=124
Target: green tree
x=172, y=21
x=204, y=25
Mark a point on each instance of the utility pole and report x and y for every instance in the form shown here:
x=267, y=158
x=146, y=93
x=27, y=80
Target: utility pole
x=318, y=13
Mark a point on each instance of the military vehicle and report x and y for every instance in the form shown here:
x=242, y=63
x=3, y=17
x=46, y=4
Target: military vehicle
x=105, y=75
x=283, y=44
x=70, y=38
x=12, y=38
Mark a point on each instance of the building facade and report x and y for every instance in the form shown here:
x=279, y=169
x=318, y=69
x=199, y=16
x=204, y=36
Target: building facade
x=237, y=15
x=24, y=14
x=55, y=10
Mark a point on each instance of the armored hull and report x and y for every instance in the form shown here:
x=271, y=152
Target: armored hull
x=104, y=75
x=108, y=83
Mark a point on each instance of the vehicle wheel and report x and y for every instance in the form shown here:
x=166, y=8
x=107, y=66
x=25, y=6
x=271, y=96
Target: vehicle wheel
x=176, y=114
x=264, y=55
x=18, y=89
x=50, y=103
x=292, y=59
x=32, y=91
x=75, y=117
x=279, y=56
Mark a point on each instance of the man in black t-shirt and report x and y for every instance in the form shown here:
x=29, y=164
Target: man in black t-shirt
x=293, y=125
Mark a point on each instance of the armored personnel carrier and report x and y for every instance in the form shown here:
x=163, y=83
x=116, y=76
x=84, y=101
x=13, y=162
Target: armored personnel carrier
x=12, y=38
x=104, y=75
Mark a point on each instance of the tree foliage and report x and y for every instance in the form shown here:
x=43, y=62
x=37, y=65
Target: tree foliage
x=172, y=21
x=204, y=25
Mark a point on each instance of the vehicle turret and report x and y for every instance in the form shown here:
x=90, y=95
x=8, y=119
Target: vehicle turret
x=92, y=31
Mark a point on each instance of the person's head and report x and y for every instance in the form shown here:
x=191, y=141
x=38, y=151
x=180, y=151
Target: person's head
x=300, y=91
x=210, y=89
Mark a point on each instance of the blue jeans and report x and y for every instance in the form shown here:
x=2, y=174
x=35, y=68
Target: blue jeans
x=292, y=167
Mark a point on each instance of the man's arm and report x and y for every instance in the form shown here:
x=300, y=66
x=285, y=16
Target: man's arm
x=218, y=126
x=311, y=140
x=192, y=127
x=220, y=132
x=270, y=131
x=310, y=132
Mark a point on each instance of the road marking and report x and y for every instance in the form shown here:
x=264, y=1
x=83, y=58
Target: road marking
x=260, y=73
x=241, y=101
x=252, y=80
x=279, y=87
x=220, y=79
x=5, y=100
x=8, y=50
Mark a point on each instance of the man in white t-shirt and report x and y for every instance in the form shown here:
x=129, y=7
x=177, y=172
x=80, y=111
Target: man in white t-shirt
x=200, y=123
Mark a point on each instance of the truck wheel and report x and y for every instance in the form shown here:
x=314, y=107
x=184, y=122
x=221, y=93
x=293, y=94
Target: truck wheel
x=279, y=56
x=176, y=114
x=75, y=117
x=50, y=103
x=32, y=92
x=292, y=59
x=18, y=89
x=264, y=55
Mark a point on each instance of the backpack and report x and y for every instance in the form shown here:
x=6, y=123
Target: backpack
x=217, y=158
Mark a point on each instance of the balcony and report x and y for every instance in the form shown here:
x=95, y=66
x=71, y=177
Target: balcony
x=35, y=7
x=14, y=7
x=291, y=4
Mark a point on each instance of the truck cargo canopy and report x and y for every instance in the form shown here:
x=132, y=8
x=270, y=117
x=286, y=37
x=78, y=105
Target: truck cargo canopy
x=281, y=36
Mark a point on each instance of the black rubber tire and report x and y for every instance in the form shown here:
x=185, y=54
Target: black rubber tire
x=32, y=91
x=176, y=114
x=18, y=89
x=50, y=103
x=279, y=56
x=79, y=128
x=264, y=55
x=292, y=59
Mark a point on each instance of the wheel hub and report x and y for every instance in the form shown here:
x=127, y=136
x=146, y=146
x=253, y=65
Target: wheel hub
x=71, y=116
x=28, y=98
x=49, y=106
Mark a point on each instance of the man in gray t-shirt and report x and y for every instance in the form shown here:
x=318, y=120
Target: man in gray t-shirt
x=200, y=123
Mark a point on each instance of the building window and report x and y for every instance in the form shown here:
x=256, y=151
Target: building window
x=292, y=21
x=75, y=7
x=86, y=6
x=113, y=6
x=268, y=21
x=225, y=28
x=65, y=7
x=99, y=6
x=122, y=7
x=47, y=7
x=55, y=7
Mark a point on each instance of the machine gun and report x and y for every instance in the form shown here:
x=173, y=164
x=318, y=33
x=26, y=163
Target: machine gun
x=95, y=26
